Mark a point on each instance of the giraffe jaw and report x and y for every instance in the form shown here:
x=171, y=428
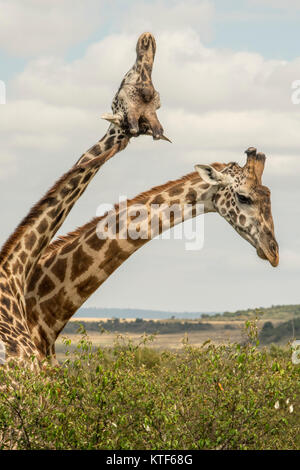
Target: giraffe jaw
x=118, y=120
x=265, y=252
x=267, y=255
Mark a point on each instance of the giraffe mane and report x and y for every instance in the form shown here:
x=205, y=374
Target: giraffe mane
x=62, y=240
x=162, y=187
x=71, y=236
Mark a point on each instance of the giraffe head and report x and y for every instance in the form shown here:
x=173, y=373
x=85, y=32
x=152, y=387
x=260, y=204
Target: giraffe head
x=145, y=53
x=136, y=102
x=244, y=202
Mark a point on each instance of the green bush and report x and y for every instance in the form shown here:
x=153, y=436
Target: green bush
x=133, y=397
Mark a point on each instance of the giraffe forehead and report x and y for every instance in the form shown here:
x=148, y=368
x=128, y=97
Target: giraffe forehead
x=236, y=172
x=248, y=178
x=242, y=180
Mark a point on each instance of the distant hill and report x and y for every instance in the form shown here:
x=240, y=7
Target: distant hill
x=274, y=312
x=94, y=312
x=176, y=322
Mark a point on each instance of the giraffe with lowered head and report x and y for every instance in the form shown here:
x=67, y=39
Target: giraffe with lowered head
x=136, y=111
x=75, y=265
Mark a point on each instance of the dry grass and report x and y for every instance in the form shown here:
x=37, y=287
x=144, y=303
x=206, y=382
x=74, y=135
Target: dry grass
x=223, y=332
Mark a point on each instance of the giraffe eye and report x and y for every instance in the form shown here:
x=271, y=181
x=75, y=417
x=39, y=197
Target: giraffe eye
x=244, y=199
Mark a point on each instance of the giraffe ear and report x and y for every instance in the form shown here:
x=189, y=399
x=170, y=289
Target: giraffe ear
x=212, y=176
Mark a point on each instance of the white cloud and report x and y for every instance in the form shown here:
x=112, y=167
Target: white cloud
x=8, y=166
x=86, y=82
x=290, y=260
x=36, y=126
x=229, y=130
x=215, y=104
x=159, y=16
x=188, y=75
x=284, y=165
x=47, y=27
x=35, y=27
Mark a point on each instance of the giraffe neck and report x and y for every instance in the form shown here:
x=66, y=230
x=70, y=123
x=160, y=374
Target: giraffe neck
x=143, y=66
x=114, y=136
x=79, y=263
x=23, y=249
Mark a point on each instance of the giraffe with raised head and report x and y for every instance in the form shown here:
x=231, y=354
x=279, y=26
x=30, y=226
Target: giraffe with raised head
x=78, y=263
x=134, y=105
x=23, y=249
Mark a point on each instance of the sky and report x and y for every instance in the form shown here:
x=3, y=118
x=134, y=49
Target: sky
x=224, y=70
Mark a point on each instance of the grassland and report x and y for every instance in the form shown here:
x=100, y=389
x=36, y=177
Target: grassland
x=278, y=325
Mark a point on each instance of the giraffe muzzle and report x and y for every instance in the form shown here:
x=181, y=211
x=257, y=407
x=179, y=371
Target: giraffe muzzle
x=146, y=42
x=270, y=252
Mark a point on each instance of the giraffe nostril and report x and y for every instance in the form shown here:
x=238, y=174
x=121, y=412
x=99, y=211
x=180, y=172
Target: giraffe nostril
x=146, y=42
x=147, y=93
x=273, y=247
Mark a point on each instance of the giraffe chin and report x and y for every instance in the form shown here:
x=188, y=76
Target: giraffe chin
x=273, y=260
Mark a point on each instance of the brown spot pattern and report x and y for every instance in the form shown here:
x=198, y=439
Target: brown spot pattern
x=80, y=263
x=175, y=191
x=59, y=268
x=30, y=240
x=95, y=242
x=45, y=286
x=42, y=227
x=191, y=196
x=87, y=287
x=242, y=219
x=158, y=199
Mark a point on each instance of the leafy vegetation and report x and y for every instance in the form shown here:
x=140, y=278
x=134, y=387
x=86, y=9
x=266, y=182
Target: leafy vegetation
x=133, y=397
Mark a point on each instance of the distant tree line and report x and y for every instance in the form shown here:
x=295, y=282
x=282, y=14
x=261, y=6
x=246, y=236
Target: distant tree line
x=137, y=326
x=284, y=332
x=278, y=311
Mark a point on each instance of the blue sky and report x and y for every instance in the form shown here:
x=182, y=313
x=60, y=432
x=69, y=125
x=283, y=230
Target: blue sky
x=238, y=25
x=273, y=32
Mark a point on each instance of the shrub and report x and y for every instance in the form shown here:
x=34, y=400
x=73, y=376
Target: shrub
x=132, y=397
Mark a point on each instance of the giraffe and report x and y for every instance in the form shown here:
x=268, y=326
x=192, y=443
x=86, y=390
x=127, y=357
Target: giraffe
x=134, y=105
x=80, y=262
x=22, y=250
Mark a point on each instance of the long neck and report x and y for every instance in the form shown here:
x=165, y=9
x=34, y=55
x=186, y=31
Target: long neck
x=114, y=136
x=79, y=263
x=23, y=249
